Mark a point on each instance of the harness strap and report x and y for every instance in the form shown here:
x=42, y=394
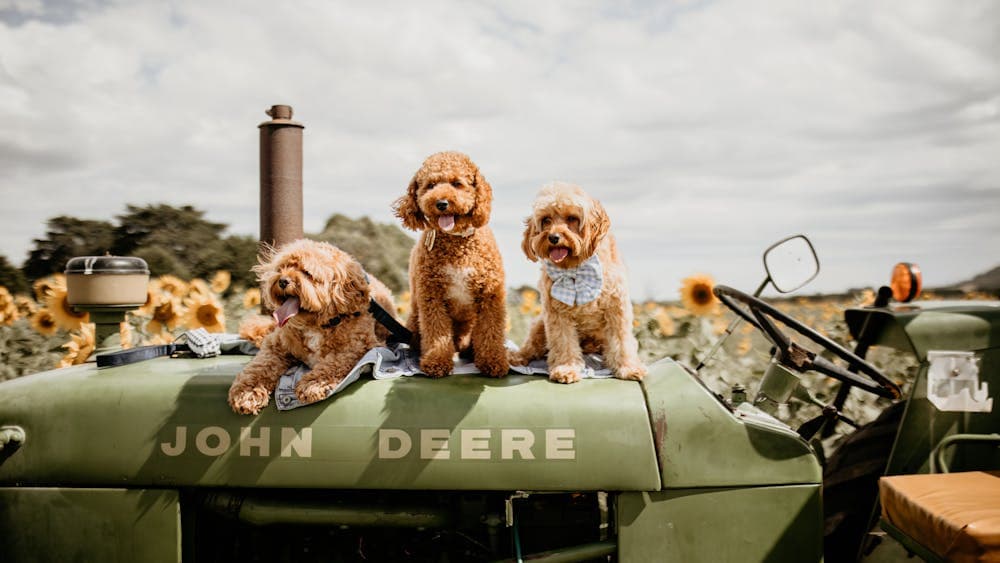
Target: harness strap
x=142, y=353
x=399, y=332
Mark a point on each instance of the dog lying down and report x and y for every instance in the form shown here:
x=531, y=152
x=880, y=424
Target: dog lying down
x=320, y=296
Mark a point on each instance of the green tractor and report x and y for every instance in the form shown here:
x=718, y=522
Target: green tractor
x=146, y=461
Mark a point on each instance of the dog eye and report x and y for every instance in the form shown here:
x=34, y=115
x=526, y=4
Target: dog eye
x=456, y=184
x=573, y=220
x=546, y=221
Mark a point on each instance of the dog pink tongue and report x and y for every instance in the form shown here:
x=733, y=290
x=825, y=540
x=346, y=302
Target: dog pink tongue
x=446, y=222
x=558, y=254
x=287, y=310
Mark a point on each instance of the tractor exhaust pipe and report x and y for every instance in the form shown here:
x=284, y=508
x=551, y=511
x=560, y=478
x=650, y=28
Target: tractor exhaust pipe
x=280, y=178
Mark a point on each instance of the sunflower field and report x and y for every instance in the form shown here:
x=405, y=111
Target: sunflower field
x=42, y=331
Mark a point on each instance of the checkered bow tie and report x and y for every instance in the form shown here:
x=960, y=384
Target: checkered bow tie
x=576, y=286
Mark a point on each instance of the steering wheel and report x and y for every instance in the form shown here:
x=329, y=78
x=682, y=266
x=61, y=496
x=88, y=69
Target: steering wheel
x=762, y=315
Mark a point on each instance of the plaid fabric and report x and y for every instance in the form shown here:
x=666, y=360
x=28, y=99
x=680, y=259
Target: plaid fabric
x=201, y=343
x=576, y=286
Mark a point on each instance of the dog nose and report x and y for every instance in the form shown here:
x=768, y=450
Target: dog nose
x=441, y=205
x=283, y=283
x=554, y=239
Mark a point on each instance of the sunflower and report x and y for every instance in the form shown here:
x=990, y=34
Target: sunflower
x=205, y=312
x=665, y=322
x=251, y=298
x=8, y=309
x=45, y=286
x=170, y=284
x=125, y=334
x=696, y=294
x=151, y=301
x=44, y=323
x=529, y=302
x=80, y=346
x=25, y=305
x=65, y=315
x=166, y=315
x=159, y=338
x=403, y=304
x=198, y=288
x=221, y=280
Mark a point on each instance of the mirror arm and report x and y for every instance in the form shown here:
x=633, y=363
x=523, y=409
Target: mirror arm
x=760, y=288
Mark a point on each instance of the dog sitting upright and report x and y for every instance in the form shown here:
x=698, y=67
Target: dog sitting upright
x=584, y=291
x=456, y=274
x=320, y=297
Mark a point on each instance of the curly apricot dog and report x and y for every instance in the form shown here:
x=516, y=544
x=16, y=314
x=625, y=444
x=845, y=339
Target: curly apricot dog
x=585, y=301
x=320, y=297
x=456, y=273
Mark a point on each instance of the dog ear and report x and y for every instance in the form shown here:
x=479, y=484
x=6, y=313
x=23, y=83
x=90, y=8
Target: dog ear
x=529, y=233
x=316, y=263
x=407, y=209
x=484, y=200
x=264, y=271
x=349, y=289
x=597, y=226
x=356, y=284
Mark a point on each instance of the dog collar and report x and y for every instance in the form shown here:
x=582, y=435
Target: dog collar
x=576, y=286
x=337, y=320
x=431, y=234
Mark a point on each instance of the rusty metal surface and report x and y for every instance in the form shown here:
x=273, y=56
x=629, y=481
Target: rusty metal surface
x=280, y=177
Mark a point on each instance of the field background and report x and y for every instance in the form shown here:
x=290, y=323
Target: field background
x=40, y=331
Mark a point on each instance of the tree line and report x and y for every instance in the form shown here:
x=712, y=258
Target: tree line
x=182, y=242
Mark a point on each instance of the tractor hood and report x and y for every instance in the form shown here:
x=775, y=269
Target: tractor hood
x=166, y=422
x=931, y=325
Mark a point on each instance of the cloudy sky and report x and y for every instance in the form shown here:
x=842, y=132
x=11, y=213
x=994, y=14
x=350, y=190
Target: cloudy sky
x=708, y=129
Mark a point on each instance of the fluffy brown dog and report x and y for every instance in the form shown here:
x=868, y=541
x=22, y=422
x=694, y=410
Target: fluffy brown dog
x=585, y=302
x=320, y=297
x=456, y=273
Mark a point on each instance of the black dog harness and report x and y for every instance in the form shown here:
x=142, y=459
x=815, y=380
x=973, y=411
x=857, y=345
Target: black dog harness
x=399, y=332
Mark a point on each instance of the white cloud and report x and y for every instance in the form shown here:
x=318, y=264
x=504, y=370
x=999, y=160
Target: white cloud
x=709, y=129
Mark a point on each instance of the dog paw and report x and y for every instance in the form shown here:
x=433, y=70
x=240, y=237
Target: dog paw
x=312, y=391
x=437, y=366
x=564, y=374
x=248, y=400
x=497, y=368
x=517, y=359
x=634, y=372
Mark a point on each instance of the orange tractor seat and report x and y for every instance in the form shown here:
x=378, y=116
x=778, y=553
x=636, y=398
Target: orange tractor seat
x=954, y=516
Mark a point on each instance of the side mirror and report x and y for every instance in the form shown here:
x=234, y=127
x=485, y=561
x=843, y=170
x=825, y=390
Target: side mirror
x=791, y=263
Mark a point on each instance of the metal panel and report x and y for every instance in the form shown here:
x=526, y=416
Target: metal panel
x=702, y=443
x=165, y=422
x=107, y=525
x=934, y=325
x=690, y=525
x=917, y=328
